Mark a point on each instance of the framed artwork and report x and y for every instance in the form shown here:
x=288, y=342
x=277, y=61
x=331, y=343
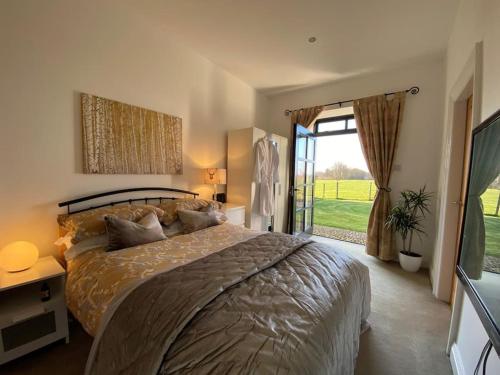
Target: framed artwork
x=120, y=138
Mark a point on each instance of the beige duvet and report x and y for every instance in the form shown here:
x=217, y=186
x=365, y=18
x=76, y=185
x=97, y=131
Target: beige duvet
x=98, y=278
x=224, y=300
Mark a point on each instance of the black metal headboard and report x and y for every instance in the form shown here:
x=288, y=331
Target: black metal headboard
x=121, y=191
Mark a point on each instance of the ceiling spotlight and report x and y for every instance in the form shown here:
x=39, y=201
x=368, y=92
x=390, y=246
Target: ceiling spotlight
x=312, y=39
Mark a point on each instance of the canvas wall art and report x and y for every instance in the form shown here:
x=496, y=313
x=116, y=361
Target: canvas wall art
x=120, y=138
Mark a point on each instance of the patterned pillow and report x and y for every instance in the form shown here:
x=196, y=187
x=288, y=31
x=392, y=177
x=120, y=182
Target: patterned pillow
x=125, y=233
x=91, y=223
x=171, y=206
x=197, y=220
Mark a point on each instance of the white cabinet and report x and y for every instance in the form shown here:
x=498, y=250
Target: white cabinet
x=26, y=321
x=235, y=213
x=242, y=190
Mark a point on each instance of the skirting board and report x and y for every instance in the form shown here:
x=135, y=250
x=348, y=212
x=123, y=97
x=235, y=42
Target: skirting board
x=456, y=361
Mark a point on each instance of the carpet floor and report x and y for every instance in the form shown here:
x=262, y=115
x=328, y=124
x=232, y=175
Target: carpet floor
x=407, y=336
x=409, y=327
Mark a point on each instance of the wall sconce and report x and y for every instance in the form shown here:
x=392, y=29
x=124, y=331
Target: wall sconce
x=215, y=176
x=18, y=256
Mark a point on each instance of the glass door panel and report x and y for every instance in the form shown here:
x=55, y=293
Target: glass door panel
x=309, y=196
x=299, y=193
x=309, y=173
x=308, y=220
x=310, y=148
x=299, y=222
x=301, y=173
x=302, y=181
x=301, y=147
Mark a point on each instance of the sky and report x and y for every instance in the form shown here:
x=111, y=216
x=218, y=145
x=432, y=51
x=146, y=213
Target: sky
x=344, y=148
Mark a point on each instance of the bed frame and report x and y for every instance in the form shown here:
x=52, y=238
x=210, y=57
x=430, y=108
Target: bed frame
x=122, y=191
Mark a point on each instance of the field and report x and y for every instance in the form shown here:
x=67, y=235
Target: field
x=351, y=209
x=492, y=225
x=350, y=215
x=354, y=190
x=491, y=221
x=365, y=190
x=490, y=201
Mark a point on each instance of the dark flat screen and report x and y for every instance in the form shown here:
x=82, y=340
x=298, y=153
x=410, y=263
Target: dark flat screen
x=479, y=262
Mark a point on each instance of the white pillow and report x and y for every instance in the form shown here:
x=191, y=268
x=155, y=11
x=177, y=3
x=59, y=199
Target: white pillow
x=65, y=241
x=86, y=245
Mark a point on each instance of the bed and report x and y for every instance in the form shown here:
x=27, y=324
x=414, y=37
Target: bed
x=220, y=300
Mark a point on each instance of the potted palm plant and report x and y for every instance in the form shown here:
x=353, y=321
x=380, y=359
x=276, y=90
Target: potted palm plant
x=406, y=219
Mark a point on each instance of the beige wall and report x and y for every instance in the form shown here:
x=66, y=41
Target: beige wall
x=418, y=153
x=476, y=21
x=51, y=51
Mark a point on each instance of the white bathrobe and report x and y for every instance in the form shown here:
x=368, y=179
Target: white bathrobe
x=266, y=174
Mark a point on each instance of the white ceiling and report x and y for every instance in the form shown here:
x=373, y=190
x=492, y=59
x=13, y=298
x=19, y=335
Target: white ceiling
x=264, y=42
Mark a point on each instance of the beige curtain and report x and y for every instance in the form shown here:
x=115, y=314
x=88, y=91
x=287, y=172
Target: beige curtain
x=485, y=169
x=305, y=116
x=378, y=120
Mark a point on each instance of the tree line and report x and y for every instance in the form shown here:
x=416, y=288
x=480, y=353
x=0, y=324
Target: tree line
x=340, y=171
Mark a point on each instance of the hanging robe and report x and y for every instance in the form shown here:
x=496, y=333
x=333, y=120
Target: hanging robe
x=266, y=174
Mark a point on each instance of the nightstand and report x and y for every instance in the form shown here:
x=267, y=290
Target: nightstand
x=26, y=322
x=235, y=213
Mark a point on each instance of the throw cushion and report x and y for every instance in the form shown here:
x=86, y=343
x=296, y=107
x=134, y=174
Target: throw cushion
x=124, y=233
x=83, y=225
x=196, y=220
x=170, y=207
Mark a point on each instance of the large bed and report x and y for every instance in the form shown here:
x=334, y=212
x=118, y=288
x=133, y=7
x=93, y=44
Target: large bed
x=220, y=300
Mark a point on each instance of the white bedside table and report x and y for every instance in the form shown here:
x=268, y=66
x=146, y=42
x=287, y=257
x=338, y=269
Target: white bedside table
x=235, y=213
x=26, y=322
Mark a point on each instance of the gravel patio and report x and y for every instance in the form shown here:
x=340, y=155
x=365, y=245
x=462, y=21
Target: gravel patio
x=340, y=234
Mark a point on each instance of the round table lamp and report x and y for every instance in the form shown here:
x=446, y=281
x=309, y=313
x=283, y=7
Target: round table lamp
x=18, y=256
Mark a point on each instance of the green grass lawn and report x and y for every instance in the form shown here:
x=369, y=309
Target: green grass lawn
x=492, y=225
x=490, y=201
x=350, y=215
x=354, y=190
x=352, y=208
x=359, y=190
x=353, y=215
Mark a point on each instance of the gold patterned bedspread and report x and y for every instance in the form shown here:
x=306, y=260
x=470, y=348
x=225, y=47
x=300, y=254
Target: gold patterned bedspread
x=96, y=278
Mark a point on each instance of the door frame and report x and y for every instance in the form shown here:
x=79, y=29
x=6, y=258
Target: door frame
x=468, y=82
x=291, y=181
x=467, y=144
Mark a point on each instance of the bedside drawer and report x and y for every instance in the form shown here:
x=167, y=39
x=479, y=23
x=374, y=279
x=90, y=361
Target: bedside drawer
x=29, y=321
x=28, y=330
x=235, y=215
x=33, y=333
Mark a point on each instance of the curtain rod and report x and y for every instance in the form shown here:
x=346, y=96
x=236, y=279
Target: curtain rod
x=414, y=90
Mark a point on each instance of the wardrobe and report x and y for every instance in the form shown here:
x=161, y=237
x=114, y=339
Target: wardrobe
x=241, y=187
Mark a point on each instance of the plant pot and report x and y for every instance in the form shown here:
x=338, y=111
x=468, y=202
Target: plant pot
x=410, y=262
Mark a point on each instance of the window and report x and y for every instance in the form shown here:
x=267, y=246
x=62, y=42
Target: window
x=335, y=125
x=344, y=189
